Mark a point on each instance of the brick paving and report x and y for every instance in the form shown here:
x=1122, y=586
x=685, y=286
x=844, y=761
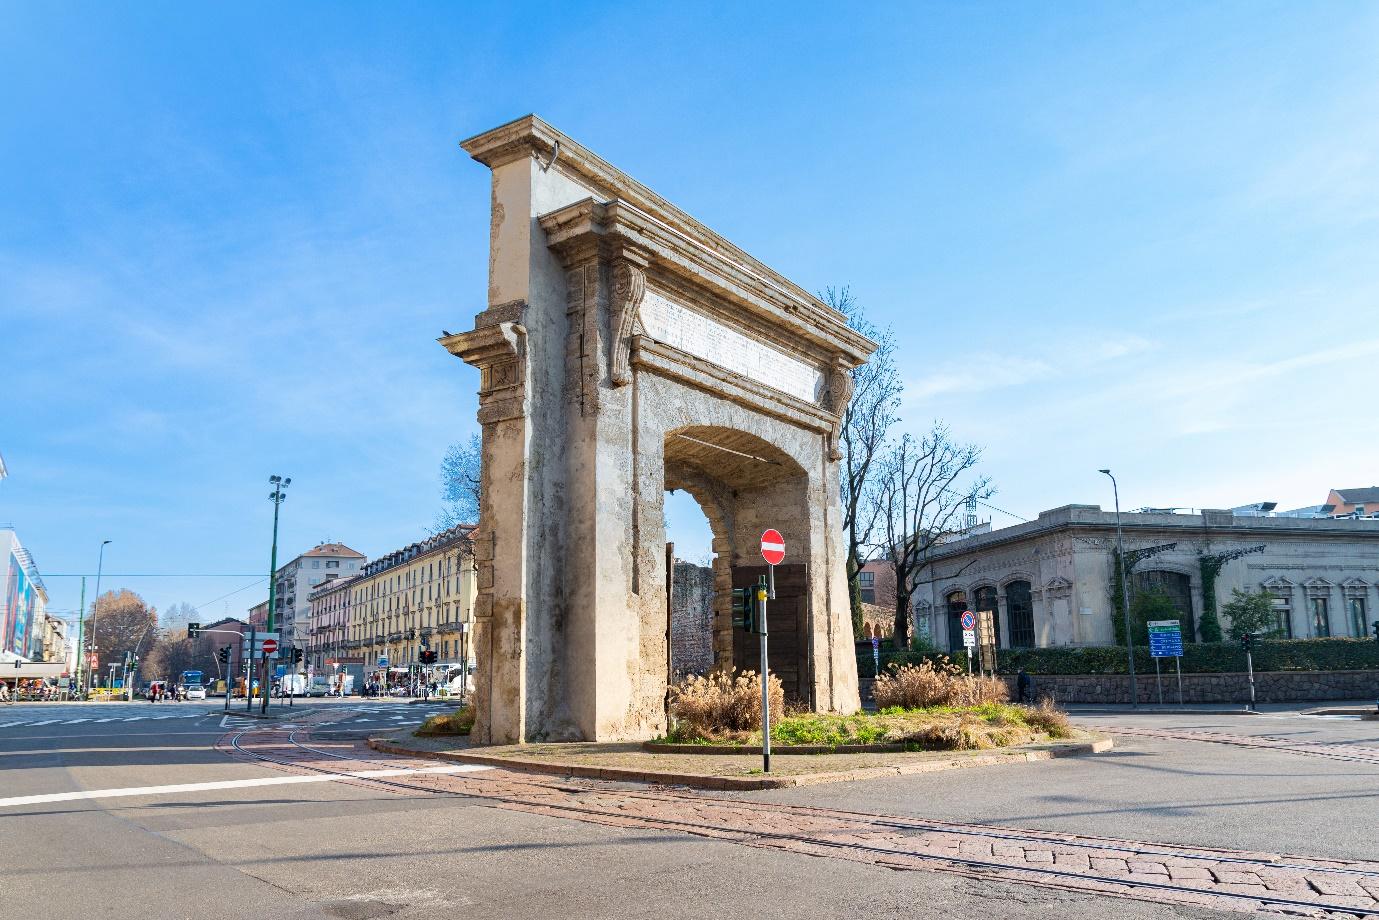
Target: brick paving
x=1165, y=873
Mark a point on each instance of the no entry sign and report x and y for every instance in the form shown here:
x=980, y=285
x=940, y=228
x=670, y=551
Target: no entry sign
x=270, y=646
x=773, y=547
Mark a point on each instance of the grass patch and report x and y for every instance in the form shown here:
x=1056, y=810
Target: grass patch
x=985, y=726
x=459, y=722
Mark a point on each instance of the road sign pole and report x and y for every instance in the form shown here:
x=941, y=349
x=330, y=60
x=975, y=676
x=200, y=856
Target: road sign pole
x=1178, y=666
x=1250, y=670
x=249, y=670
x=765, y=683
x=1159, y=680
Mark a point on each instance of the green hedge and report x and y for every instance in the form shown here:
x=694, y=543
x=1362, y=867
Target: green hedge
x=1198, y=658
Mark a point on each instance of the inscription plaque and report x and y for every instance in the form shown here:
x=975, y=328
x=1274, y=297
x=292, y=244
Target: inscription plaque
x=705, y=337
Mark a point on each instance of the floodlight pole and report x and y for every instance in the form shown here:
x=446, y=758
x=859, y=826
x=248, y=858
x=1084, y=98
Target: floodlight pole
x=277, y=498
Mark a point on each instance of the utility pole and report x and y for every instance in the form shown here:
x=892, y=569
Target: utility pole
x=277, y=498
x=96, y=608
x=81, y=623
x=1125, y=597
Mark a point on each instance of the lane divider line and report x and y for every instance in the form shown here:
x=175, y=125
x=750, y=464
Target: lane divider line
x=175, y=789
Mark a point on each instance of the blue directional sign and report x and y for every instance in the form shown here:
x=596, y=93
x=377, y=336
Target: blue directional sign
x=1165, y=638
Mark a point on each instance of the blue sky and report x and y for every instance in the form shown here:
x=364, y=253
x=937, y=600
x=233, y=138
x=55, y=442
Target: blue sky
x=1136, y=235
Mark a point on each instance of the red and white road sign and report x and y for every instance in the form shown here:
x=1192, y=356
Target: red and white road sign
x=969, y=621
x=773, y=547
x=269, y=646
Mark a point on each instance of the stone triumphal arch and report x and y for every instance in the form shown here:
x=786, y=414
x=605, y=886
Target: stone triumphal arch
x=627, y=349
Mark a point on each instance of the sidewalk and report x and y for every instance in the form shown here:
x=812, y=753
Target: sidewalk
x=1315, y=707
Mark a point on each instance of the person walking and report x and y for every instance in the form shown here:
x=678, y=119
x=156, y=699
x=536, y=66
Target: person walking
x=1023, y=686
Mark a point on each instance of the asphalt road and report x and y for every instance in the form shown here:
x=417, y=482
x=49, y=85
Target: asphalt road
x=258, y=848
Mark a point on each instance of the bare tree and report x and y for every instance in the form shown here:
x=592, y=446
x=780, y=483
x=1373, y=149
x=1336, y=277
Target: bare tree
x=122, y=622
x=924, y=488
x=460, y=471
x=867, y=421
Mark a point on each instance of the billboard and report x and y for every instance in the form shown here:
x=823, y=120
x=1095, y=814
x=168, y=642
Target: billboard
x=19, y=610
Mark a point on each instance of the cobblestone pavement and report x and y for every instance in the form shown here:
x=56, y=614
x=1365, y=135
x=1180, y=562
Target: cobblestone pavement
x=1334, y=750
x=1188, y=876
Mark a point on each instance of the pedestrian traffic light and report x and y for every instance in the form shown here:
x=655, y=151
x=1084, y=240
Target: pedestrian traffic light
x=193, y=630
x=1247, y=641
x=427, y=656
x=744, y=609
x=224, y=654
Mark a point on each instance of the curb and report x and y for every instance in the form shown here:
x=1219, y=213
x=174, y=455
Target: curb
x=743, y=783
x=1166, y=710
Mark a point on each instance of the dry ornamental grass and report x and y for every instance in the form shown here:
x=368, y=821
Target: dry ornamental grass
x=724, y=704
x=926, y=685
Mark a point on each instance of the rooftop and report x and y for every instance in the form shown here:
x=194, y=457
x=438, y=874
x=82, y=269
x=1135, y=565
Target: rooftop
x=1218, y=522
x=1362, y=496
x=333, y=549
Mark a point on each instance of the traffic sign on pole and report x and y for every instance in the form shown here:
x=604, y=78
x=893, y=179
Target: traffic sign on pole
x=269, y=646
x=773, y=547
x=969, y=620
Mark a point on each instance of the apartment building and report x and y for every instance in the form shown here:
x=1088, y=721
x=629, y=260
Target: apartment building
x=419, y=596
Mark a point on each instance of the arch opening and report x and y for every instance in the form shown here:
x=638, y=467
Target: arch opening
x=744, y=485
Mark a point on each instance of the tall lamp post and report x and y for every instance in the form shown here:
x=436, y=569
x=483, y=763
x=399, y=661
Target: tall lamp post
x=277, y=498
x=1125, y=597
x=95, y=608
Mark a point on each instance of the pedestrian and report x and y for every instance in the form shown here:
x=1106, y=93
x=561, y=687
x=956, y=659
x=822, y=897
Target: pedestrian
x=4, y=692
x=1023, y=686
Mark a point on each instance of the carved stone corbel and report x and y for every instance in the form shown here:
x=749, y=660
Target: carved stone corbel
x=838, y=396
x=629, y=287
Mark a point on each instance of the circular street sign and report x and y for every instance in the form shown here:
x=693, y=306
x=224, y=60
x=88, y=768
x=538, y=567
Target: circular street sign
x=270, y=646
x=969, y=621
x=773, y=547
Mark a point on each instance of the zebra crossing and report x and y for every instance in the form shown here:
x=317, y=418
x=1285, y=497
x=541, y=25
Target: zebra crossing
x=50, y=714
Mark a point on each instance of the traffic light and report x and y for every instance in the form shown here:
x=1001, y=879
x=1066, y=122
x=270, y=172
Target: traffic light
x=133, y=663
x=1247, y=641
x=744, y=609
x=427, y=656
x=193, y=630
x=1375, y=624
x=297, y=656
x=224, y=654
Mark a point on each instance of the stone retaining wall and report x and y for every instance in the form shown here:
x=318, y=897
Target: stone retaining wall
x=1270, y=687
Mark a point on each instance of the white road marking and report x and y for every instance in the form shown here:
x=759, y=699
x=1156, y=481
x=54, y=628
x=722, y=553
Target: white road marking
x=45, y=722
x=231, y=784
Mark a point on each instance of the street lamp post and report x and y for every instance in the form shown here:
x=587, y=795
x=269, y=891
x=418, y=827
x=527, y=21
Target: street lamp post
x=277, y=498
x=96, y=606
x=1125, y=597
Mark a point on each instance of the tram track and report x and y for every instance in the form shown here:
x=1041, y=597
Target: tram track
x=1230, y=880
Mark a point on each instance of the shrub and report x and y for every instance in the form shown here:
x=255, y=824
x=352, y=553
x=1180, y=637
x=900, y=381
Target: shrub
x=459, y=722
x=723, y=705
x=931, y=683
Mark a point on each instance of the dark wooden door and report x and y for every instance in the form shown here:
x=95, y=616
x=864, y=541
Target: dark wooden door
x=786, y=622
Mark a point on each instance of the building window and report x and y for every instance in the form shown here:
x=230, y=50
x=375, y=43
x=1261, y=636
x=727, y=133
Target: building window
x=955, y=603
x=316, y=563
x=1020, y=609
x=1355, y=606
x=986, y=600
x=1177, y=587
x=866, y=584
x=1321, y=625
x=332, y=563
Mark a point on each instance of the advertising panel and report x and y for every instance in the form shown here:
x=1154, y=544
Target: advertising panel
x=19, y=610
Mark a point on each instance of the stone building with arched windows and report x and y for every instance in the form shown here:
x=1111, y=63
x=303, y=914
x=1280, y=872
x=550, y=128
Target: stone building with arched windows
x=1048, y=581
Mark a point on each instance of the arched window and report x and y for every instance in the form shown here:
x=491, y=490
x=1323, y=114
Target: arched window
x=986, y=600
x=956, y=604
x=1179, y=590
x=1020, y=609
